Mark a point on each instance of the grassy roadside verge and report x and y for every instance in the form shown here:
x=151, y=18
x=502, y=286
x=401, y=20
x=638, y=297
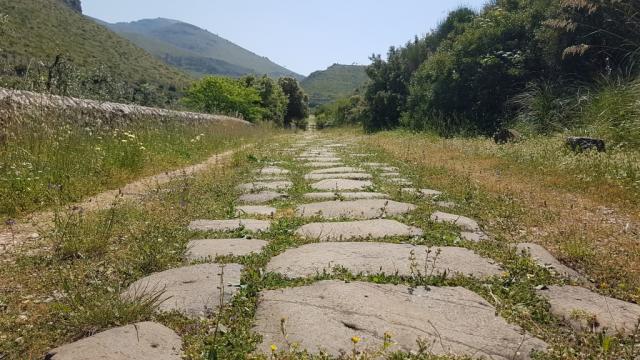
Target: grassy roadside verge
x=60, y=157
x=583, y=208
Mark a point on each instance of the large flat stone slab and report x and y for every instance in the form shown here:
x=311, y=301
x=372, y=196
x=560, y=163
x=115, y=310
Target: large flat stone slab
x=265, y=185
x=352, y=176
x=326, y=315
x=319, y=165
x=376, y=258
x=463, y=222
x=356, y=209
x=141, y=341
x=261, y=197
x=352, y=230
x=211, y=248
x=319, y=196
x=399, y=181
x=259, y=210
x=230, y=225
x=585, y=310
x=341, y=185
x=545, y=259
x=193, y=291
x=273, y=170
x=320, y=159
x=422, y=192
x=338, y=170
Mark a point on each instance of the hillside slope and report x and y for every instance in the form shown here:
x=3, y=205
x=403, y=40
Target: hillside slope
x=42, y=29
x=196, y=50
x=335, y=82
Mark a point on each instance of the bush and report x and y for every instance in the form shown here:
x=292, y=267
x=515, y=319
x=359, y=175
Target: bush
x=220, y=95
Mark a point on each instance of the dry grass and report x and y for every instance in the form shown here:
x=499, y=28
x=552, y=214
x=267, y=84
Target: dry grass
x=584, y=209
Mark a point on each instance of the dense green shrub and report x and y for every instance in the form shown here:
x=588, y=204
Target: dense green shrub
x=345, y=111
x=537, y=64
x=216, y=94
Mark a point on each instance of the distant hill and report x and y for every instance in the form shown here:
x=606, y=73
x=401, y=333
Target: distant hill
x=335, y=82
x=196, y=50
x=42, y=29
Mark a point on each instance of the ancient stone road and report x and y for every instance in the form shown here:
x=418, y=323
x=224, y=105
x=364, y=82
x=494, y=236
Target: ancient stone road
x=344, y=211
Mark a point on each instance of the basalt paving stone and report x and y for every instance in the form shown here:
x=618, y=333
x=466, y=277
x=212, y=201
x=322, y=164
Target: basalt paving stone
x=422, y=192
x=353, y=230
x=320, y=196
x=356, y=209
x=210, y=248
x=261, y=197
x=378, y=258
x=270, y=178
x=193, y=291
x=265, y=185
x=585, y=310
x=352, y=176
x=318, y=165
x=325, y=317
x=273, y=170
x=477, y=236
x=141, y=341
x=463, y=222
x=319, y=159
x=230, y=225
x=545, y=259
x=255, y=210
x=446, y=204
x=341, y=185
x=338, y=170
x=399, y=182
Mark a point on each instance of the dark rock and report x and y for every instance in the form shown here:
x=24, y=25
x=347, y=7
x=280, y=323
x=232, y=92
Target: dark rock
x=75, y=5
x=580, y=144
x=505, y=136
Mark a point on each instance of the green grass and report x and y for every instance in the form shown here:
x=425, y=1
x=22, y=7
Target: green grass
x=59, y=157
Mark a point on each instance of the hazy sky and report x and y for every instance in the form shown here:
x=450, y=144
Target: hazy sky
x=302, y=35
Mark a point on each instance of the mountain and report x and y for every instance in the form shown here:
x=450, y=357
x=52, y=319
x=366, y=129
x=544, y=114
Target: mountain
x=196, y=50
x=42, y=29
x=336, y=82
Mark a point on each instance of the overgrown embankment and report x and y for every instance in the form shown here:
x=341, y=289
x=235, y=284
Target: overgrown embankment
x=55, y=150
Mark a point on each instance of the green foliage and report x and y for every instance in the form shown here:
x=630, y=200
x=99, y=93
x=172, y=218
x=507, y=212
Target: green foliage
x=388, y=92
x=40, y=30
x=345, y=111
x=336, y=82
x=528, y=62
x=273, y=99
x=595, y=36
x=220, y=95
x=298, y=106
x=196, y=50
x=472, y=75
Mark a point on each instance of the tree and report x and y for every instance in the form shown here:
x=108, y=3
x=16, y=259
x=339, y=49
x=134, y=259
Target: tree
x=273, y=99
x=215, y=94
x=298, y=106
x=388, y=92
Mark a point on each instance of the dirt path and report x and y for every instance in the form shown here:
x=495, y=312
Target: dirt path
x=29, y=228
